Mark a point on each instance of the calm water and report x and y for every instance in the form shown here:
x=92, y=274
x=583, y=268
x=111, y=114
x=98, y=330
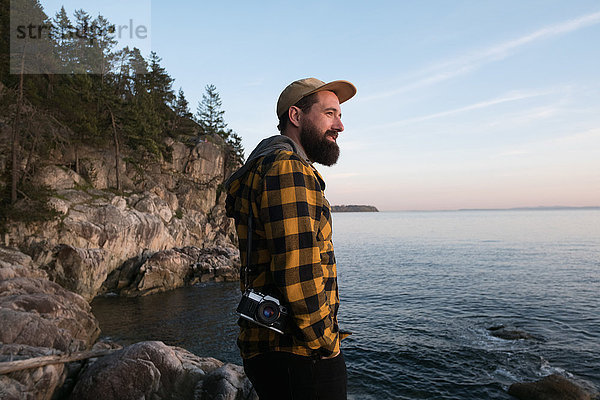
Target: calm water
x=419, y=290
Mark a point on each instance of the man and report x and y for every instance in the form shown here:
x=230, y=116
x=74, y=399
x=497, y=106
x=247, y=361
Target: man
x=291, y=254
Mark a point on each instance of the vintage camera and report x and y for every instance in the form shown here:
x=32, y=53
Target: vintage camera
x=263, y=310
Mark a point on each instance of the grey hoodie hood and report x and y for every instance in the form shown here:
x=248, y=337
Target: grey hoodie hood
x=267, y=146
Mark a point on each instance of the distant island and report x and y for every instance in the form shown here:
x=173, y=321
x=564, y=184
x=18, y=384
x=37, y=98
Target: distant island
x=354, y=208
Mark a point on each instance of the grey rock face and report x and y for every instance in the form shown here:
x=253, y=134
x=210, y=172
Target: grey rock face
x=38, y=318
x=166, y=205
x=57, y=177
x=164, y=270
x=41, y=313
x=14, y=264
x=79, y=270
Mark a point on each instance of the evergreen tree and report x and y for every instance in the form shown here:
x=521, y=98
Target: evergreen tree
x=102, y=97
x=160, y=83
x=209, y=113
x=237, y=150
x=181, y=105
x=31, y=53
x=103, y=42
x=138, y=69
x=122, y=75
x=62, y=30
x=82, y=43
x=183, y=123
x=210, y=117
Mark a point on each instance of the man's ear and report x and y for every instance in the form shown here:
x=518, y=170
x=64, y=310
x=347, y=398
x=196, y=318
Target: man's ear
x=294, y=115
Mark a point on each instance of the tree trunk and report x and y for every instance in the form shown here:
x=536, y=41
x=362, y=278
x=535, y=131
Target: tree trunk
x=117, y=152
x=15, y=137
x=19, y=365
x=77, y=158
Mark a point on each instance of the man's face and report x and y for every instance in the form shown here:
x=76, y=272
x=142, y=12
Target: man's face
x=320, y=127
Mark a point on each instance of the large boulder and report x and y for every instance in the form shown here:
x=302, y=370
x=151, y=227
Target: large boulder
x=14, y=264
x=32, y=384
x=38, y=312
x=164, y=270
x=219, y=264
x=55, y=177
x=552, y=387
x=153, y=370
x=79, y=270
x=150, y=273
x=38, y=318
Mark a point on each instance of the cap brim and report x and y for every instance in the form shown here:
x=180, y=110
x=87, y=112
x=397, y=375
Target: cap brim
x=344, y=90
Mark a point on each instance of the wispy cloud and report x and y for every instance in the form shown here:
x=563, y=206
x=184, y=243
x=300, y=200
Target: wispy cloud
x=462, y=65
x=509, y=97
x=588, y=138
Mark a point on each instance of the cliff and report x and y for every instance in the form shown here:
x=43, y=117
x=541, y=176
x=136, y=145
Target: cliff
x=165, y=229
x=353, y=208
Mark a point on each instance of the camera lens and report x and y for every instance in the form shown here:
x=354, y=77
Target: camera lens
x=267, y=312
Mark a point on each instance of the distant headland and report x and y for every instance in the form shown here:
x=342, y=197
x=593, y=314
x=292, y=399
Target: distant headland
x=354, y=208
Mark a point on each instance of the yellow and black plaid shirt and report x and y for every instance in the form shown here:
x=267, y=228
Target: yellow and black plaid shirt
x=292, y=254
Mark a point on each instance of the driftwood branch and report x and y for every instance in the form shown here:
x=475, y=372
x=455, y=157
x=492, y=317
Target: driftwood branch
x=35, y=362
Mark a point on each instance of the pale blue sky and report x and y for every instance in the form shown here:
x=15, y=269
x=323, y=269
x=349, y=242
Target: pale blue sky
x=460, y=104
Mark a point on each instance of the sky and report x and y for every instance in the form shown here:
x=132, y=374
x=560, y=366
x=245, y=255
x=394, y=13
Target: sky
x=460, y=104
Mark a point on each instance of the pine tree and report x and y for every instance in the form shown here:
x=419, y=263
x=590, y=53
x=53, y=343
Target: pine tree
x=102, y=46
x=209, y=113
x=62, y=30
x=237, y=150
x=160, y=83
x=183, y=124
x=31, y=53
x=210, y=117
x=82, y=43
x=138, y=69
x=181, y=105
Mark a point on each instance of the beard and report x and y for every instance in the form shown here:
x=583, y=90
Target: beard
x=318, y=148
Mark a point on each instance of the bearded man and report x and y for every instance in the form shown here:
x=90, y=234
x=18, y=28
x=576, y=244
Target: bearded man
x=291, y=346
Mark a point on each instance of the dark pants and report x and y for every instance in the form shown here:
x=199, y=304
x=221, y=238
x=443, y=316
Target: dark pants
x=285, y=376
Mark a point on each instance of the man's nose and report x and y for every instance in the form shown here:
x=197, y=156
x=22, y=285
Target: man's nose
x=337, y=124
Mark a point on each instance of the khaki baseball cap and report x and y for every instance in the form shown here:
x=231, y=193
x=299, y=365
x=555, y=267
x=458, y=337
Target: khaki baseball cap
x=299, y=89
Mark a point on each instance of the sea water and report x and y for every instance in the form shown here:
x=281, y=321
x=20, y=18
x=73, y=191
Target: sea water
x=419, y=290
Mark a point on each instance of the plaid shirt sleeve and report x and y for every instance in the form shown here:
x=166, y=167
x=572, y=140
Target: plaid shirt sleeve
x=291, y=205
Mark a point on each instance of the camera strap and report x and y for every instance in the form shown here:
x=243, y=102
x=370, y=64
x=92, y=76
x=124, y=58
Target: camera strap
x=248, y=246
x=249, y=238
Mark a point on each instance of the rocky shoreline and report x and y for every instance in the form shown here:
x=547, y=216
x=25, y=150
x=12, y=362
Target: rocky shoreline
x=41, y=318
x=165, y=229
